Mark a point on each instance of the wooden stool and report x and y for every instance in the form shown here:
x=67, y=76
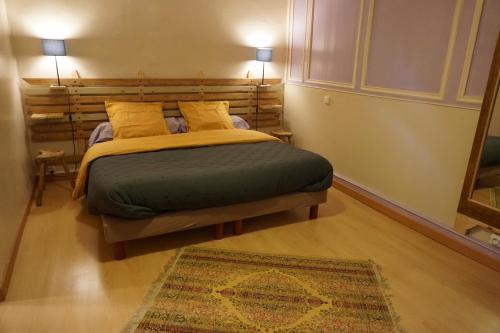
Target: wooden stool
x=283, y=135
x=45, y=156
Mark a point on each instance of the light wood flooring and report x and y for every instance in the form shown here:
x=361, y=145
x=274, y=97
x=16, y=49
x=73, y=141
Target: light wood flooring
x=484, y=196
x=65, y=279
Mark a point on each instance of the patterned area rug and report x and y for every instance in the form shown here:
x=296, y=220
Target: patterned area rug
x=211, y=290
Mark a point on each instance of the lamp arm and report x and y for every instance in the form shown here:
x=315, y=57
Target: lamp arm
x=57, y=70
x=263, y=64
x=257, y=109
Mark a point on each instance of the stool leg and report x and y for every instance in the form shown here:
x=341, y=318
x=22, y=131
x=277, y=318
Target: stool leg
x=63, y=163
x=45, y=171
x=41, y=184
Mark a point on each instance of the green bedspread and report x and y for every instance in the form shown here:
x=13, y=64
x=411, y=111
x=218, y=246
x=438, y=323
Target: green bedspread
x=146, y=184
x=491, y=152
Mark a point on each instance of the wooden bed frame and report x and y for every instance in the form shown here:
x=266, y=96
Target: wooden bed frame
x=118, y=230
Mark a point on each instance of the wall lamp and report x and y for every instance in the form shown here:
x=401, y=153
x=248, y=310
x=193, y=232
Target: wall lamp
x=55, y=48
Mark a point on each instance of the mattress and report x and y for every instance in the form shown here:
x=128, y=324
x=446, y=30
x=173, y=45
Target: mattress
x=142, y=185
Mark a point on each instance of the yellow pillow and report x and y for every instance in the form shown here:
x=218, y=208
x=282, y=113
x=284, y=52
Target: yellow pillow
x=134, y=120
x=202, y=116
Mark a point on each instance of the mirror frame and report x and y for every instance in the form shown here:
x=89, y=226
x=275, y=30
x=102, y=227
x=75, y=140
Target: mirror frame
x=467, y=206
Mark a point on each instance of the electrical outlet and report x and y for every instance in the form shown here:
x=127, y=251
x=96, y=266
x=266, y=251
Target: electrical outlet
x=495, y=240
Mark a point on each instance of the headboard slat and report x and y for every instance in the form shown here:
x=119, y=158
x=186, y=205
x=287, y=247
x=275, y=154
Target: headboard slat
x=84, y=100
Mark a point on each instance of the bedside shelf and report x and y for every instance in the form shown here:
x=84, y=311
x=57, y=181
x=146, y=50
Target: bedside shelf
x=270, y=107
x=283, y=135
x=45, y=116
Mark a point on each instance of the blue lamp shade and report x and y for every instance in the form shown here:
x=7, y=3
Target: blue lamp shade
x=53, y=47
x=264, y=54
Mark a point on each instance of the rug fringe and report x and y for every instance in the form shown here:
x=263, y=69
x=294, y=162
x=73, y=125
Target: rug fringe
x=387, y=293
x=151, y=293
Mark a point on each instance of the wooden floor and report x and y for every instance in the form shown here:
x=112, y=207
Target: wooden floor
x=65, y=279
x=484, y=196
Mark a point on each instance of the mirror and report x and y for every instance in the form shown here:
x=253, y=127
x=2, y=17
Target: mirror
x=486, y=188
x=480, y=197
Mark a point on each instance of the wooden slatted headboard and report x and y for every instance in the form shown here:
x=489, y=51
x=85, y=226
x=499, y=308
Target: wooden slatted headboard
x=48, y=109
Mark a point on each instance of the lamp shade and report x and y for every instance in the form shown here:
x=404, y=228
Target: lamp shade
x=264, y=54
x=53, y=47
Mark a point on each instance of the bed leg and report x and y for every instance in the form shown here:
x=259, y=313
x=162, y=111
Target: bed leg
x=313, y=212
x=119, y=250
x=238, y=227
x=219, y=231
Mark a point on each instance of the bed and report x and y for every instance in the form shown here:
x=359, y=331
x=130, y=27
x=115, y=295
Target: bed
x=154, y=185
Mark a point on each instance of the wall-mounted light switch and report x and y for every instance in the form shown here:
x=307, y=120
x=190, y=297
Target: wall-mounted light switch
x=327, y=100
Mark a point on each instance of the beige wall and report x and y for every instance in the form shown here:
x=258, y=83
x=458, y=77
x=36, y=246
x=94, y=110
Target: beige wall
x=164, y=38
x=15, y=167
x=411, y=153
x=174, y=38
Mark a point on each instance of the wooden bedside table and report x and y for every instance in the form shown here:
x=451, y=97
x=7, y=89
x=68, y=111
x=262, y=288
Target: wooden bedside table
x=283, y=135
x=45, y=156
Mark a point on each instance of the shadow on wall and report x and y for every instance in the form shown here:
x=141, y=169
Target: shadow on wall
x=9, y=106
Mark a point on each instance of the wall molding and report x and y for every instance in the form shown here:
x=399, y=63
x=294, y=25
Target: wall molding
x=4, y=284
x=442, y=97
x=447, y=237
x=308, y=48
x=404, y=92
x=402, y=99
x=291, y=14
x=308, y=37
x=471, y=45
